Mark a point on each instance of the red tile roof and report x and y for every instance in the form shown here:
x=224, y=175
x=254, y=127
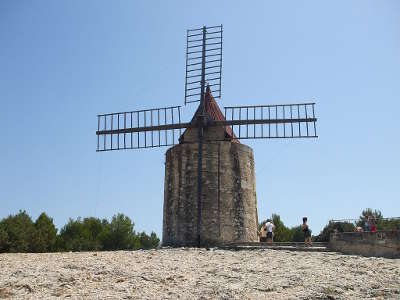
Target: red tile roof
x=213, y=112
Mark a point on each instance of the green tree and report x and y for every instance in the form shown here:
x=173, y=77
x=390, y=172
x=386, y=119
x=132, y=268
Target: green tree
x=45, y=234
x=135, y=243
x=93, y=227
x=119, y=234
x=325, y=234
x=4, y=245
x=145, y=241
x=297, y=234
x=73, y=236
x=389, y=224
x=20, y=231
x=82, y=235
x=281, y=232
x=155, y=241
x=19, y=234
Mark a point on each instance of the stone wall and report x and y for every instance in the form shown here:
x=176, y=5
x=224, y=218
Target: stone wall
x=228, y=202
x=379, y=244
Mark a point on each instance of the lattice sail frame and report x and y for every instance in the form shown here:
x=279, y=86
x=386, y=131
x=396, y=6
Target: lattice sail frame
x=272, y=121
x=146, y=128
x=160, y=127
x=203, y=58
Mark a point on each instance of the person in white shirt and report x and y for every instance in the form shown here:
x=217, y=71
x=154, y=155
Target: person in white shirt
x=269, y=228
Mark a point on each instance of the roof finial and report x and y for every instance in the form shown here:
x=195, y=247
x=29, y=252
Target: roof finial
x=208, y=90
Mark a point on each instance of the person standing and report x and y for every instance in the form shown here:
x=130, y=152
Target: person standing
x=269, y=228
x=263, y=234
x=307, y=232
x=372, y=224
x=367, y=223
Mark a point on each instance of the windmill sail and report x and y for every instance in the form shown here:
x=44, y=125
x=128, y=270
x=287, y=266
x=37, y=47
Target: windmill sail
x=139, y=129
x=272, y=121
x=203, y=61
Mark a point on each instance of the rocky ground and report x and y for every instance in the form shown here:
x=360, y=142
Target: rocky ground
x=202, y=274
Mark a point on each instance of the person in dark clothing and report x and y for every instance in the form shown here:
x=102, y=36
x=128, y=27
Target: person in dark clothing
x=307, y=232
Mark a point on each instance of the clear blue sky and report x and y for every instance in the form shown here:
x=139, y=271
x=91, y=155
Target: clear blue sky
x=63, y=62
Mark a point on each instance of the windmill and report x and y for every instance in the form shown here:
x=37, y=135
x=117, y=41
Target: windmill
x=209, y=192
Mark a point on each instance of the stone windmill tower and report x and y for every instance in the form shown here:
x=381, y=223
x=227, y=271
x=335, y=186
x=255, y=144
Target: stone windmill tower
x=227, y=210
x=210, y=188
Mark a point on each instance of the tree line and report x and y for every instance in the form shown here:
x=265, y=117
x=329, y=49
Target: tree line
x=283, y=233
x=19, y=233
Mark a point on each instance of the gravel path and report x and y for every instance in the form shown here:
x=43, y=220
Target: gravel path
x=197, y=273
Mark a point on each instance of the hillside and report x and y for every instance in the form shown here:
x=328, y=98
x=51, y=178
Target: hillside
x=194, y=273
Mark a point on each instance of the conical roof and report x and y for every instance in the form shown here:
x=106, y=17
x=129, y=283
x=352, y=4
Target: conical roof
x=213, y=113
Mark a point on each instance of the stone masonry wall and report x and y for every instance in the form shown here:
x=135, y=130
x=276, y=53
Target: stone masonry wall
x=228, y=204
x=379, y=244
